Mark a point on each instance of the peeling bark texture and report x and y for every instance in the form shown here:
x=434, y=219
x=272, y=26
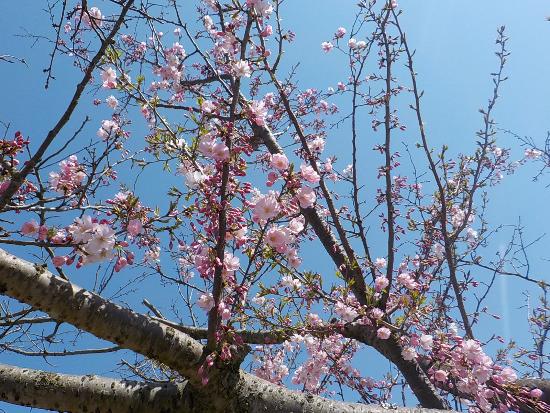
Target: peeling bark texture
x=76, y=394
x=254, y=395
x=66, y=302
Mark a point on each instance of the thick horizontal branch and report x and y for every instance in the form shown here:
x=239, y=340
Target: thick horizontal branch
x=361, y=333
x=230, y=390
x=66, y=302
x=61, y=392
x=76, y=394
x=255, y=395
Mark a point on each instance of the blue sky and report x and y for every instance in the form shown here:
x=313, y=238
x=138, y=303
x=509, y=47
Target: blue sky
x=454, y=42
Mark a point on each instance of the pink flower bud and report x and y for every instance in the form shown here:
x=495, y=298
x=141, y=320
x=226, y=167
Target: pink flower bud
x=59, y=260
x=535, y=393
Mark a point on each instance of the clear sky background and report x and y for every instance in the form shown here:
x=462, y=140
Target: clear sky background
x=454, y=42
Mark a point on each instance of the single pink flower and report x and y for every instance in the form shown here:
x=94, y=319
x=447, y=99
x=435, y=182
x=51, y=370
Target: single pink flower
x=134, y=227
x=440, y=375
x=306, y=197
x=29, y=227
x=383, y=333
x=59, y=260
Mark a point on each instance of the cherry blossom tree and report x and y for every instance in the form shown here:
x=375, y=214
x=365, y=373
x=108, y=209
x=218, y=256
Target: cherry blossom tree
x=238, y=149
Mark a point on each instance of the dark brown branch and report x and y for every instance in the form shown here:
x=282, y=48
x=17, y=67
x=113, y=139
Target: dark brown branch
x=229, y=390
x=19, y=178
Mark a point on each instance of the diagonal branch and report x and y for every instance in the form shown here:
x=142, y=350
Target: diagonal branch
x=19, y=178
x=420, y=384
x=66, y=302
x=352, y=272
x=230, y=390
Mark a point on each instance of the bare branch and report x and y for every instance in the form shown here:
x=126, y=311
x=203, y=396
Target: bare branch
x=19, y=178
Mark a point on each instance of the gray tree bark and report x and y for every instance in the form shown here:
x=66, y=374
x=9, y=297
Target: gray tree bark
x=76, y=394
x=61, y=392
x=229, y=389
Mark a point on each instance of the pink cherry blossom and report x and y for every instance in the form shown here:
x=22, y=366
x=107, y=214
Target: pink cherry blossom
x=383, y=333
x=261, y=7
x=440, y=375
x=340, y=32
x=42, y=232
x=92, y=17
x=309, y=174
x=327, y=46
x=266, y=207
x=426, y=341
x=272, y=367
x=409, y=353
x=346, y=312
x=279, y=161
x=306, y=197
x=532, y=153
x=472, y=350
x=292, y=256
x=267, y=31
x=70, y=176
x=380, y=283
x=290, y=282
x=278, y=238
x=59, y=260
x=376, y=314
x=296, y=225
x=407, y=281
x=258, y=112
x=206, y=302
x=380, y=263
x=536, y=393
x=241, y=68
x=134, y=227
x=108, y=129
x=29, y=227
x=317, y=145
x=208, y=107
x=508, y=375
x=220, y=152
x=112, y=102
x=231, y=264
x=109, y=78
